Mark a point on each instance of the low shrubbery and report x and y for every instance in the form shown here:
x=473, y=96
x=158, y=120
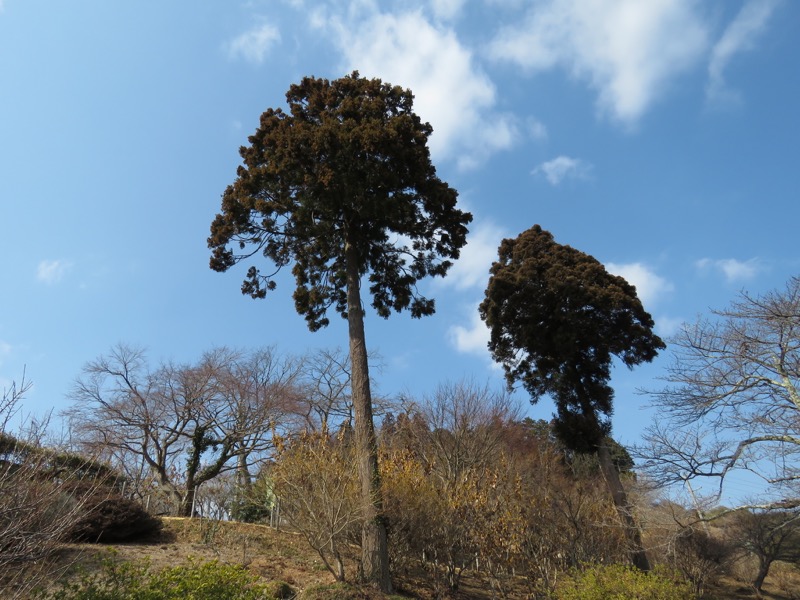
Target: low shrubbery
x=617, y=582
x=199, y=581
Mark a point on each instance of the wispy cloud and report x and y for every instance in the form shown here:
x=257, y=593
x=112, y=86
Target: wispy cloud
x=254, y=45
x=472, y=338
x=52, y=271
x=447, y=9
x=650, y=287
x=561, y=168
x=450, y=91
x=738, y=37
x=471, y=270
x=627, y=50
x=733, y=269
x=668, y=326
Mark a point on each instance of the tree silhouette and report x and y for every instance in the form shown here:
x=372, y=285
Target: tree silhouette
x=557, y=318
x=342, y=188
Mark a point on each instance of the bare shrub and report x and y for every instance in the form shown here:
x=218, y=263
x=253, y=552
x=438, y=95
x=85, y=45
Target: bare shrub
x=701, y=557
x=36, y=506
x=767, y=536
x=316, y=480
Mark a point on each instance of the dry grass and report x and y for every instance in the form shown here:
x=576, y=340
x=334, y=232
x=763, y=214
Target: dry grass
x=270, y=554
x=285, y=556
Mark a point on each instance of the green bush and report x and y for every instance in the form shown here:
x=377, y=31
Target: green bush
x=617, y=582
x=115, y=580
x=195, y=581
x=206, y=581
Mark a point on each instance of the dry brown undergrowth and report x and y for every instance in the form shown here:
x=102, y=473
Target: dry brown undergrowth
x=286, y=556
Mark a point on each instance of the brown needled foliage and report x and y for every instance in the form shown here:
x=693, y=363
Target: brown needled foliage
x=557, y=319
x=341, y=187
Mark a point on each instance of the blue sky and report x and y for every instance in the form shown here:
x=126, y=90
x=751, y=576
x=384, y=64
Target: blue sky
x=661, y=137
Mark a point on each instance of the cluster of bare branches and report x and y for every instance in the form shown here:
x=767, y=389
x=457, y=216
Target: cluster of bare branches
x=39, y=505
x=732, y=400
x=172, y=428
x=731, y=405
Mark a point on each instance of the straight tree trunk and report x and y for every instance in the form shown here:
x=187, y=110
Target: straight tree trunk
x=374, y=547
x=624, y=509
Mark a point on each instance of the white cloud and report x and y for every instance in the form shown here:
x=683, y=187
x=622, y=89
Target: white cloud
x=447, y=9
x=253, y=45
x=563, y=167
x=52, y=271
x=733, y=270
x=450, y=91
x=649, y=286
x=471, y=270
x=668, y=326
x=627, y=50
x=472, y=338
x=738, y=37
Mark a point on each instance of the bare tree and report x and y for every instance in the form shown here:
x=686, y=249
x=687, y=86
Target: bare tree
x=326, y=400
x=178, y=426
x=465, y=427
x=9, y=403
x=260, y=393
x=37, y=508
x=769, y=536
x=732, y=402
x=326, y=389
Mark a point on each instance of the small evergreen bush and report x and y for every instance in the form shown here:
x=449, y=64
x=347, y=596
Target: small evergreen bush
x=618, y=582
x=110, y=518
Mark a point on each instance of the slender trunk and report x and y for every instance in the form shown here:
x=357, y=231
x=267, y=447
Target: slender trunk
x=244, y=488
x=374, y=548
x=763, y=571
x=624, y=509
x=339, y=563
x=243, y=474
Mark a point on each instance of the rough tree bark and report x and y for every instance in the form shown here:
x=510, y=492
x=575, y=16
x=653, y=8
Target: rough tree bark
x=624, y=509
x=374, y=549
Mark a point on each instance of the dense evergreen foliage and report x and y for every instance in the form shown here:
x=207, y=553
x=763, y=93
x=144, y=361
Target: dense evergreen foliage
x=557, y=318
x=342, y=188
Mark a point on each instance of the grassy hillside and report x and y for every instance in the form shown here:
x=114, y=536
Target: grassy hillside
x=284, y=556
